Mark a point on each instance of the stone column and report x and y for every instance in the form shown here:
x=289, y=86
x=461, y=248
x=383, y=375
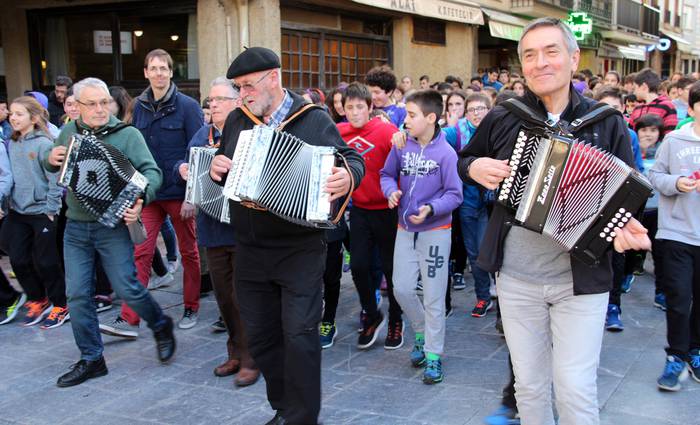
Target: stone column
x=15, y=43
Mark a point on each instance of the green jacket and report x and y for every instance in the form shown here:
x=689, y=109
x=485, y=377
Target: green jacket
x=128, y=140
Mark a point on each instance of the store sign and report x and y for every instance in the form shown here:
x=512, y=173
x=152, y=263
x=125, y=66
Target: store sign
x=440, y=9
x=663, y=45
x=103, y=42
x=581, y=25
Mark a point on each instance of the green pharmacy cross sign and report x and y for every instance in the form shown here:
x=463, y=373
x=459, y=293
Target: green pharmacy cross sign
x=580, y=24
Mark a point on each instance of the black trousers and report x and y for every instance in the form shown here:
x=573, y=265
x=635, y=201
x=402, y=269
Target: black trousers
x=508, y=395
x=681, y=288
x=367, y=229
x=279, y=290
x=331, y=279
x=8, y=295
x=30, y=241
x=619, y=272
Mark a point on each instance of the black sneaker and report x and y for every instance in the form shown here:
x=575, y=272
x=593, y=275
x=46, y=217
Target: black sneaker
x=165, y=341
x=82, y=371
x=448, y=311
x=394, y=335
x=370, y=331
x=218, y=326
x=102, y=303
x=481, y=307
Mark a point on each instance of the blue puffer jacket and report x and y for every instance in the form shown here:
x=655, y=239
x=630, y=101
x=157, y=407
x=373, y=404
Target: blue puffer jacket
x=168, y=126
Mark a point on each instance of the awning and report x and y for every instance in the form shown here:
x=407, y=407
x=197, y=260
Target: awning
x=634, y=53
x=448, y=10
x=504, y=25
x=625, y=37
x=682, y=44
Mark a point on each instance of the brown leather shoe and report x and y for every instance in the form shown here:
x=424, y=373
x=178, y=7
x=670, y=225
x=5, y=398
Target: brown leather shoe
x=246, y=377
x=227, y=368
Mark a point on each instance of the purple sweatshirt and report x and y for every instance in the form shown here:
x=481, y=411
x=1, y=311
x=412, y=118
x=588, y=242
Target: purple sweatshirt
x=425, y=175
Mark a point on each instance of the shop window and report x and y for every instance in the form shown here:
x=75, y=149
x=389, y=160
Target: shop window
x=428, y=31
x=323, y=60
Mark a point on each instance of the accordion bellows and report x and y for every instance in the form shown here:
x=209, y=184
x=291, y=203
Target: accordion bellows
x=281, y=173
x=101, y=178
x=572, y=192
x=201, y=189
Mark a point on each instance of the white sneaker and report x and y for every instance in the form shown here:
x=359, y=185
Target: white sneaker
x=173, y=266
x=189, y=319
x=156, y=281
x=492, y=290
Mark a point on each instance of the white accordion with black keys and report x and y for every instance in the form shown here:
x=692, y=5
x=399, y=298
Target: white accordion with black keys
x=279, y=172
x=201, y=191
x=102, y=178
x=573, y=192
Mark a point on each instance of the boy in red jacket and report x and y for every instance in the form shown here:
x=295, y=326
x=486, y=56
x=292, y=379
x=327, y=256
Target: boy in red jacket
x=371, y=221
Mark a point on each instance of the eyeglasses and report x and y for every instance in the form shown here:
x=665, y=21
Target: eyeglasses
x=477, y=109
x=103, y=104
x=249, y=87
x=218, y=99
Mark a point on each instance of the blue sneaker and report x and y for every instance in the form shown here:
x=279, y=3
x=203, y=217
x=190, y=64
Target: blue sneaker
x=458, y=282
x=503, y=416
x=694, y=364
x=612, y=319
x=378, y=294
x=417, y=354
x=433, y=372
x=327, y=334
x=675, y=372
x=627, y=283
x=660, y=301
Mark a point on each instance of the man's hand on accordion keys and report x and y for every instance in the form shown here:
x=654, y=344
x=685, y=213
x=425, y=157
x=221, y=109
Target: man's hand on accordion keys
x=131, y=215
x=57, y=156
x=489, y=172
x=338, y=183
x=632, y=237
x=219, y=166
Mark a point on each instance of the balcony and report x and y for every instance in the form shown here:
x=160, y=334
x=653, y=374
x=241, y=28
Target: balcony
x=650, y=21
x=629, y=14
x=562, y=4
x=600, y=9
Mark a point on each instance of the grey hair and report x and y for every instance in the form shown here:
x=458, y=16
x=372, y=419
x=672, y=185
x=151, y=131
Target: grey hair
x=223, y=81
x=569, y=39
x=89, y=82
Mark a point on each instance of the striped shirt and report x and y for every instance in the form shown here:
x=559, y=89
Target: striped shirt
x=661, y=106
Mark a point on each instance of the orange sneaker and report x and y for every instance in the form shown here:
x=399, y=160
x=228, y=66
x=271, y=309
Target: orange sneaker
x=56, y=318
x=36, y=311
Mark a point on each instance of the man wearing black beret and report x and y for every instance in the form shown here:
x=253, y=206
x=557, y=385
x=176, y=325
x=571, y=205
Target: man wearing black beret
x=280, y=265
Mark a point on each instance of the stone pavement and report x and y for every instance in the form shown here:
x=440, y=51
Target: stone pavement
x=371, y=387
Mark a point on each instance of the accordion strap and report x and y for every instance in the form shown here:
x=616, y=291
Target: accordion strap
x=292, y=117
x=342, y=208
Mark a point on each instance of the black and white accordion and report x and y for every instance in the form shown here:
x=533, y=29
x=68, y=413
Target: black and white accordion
x=573, y=192
x=279, y=172
x=101, y=178
x=201, y=191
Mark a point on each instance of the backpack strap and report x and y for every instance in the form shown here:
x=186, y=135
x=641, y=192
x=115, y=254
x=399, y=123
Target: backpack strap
x=599, y=112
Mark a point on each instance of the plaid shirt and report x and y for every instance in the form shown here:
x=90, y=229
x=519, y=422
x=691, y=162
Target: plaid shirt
x=281, y=112
x=661, y=106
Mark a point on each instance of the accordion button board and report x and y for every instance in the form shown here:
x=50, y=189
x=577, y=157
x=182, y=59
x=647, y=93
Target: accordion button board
x=573, y=192
x=281, y=173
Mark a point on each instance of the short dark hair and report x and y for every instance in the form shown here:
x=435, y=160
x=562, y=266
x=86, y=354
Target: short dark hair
x=475, y=78
x=587, y=72
x=578, y=76
x=684, y=82
x=694, y=96
x=62, y=80
x=631, y=98
x=616, y=74
x=649, y=120
x=650, y=78
x=158, y=53
x=357, y=90
x=493, y=69
x=3, y=100
x=428, y=101
x=383, y=77
x=444, y=88
x=608, y=91
x=478, y=97
x=452, y=79
x=424, y=77
x=629, y=78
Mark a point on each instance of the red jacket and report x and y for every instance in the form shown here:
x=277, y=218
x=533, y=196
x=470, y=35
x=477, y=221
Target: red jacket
x=373, y=142
x=661, y=106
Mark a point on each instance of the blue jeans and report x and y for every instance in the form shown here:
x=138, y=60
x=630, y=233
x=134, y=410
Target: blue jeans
x=168, y=232
x=81, y=242
x=473, y=223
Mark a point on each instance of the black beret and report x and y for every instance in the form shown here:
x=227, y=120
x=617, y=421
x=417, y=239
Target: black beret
x=252, y=60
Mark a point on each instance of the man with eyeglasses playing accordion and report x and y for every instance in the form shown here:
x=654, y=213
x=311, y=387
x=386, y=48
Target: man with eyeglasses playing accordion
x=553, y=304
x=279, y=264
x=85, y=237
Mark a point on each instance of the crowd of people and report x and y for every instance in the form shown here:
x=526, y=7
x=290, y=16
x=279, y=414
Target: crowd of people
x=422, y=168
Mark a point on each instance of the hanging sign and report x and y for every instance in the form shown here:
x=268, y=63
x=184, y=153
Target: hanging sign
x=581, y=25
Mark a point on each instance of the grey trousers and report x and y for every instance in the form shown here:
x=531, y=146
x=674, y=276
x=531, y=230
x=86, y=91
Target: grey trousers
x=426, y=253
